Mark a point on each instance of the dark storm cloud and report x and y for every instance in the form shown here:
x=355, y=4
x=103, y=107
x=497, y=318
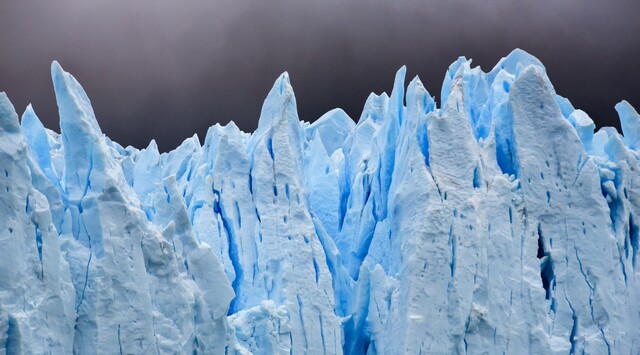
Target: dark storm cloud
x=168, y=69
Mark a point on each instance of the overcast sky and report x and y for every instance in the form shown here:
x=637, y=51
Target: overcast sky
x=167, y=69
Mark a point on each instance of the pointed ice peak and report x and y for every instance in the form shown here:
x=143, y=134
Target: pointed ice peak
x=74, y=105
x=212, y=132
x=149, y=156
x=12, y=144
x=278, y=110
x=147, y=171
x=374, y=107
x=37, y=138
x=85, y=148
x=8, y=116
x=418, y=96
x=78, y=124
x=32, y=127
x=216, y=132
x=30, y=115
x=584, y=126
x=455, y=66
x=152, y=145
x=174, y=163
x=377, y=107
x=396, y=101
x=316, y=148
x=415, y=82
x=231, y=129
x=233, y=132
x=615, y=147
x=630, y=123
x=530, y=82
x=211, y=145
x=337, y=115
x=455, y=97
x=514, y=62
x=452, y=72
x=400, y=76
x=534, y=108
x=280, y=97
x=334, y=127
x=419, y=104
x=283, y=82
x=191, y=144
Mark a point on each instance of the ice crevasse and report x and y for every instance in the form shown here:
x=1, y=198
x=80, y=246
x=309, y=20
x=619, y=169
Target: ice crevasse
x=500, y=222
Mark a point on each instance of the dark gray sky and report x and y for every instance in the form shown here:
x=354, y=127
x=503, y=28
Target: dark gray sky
x=167, y=69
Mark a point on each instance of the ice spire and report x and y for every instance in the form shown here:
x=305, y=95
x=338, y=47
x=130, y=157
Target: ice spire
x=630, y=122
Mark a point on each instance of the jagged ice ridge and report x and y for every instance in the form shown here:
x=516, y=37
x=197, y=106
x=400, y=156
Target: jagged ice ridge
x=499, y=223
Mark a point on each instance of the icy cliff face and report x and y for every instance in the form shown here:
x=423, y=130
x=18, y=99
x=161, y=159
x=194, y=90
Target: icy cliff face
x=497, y=223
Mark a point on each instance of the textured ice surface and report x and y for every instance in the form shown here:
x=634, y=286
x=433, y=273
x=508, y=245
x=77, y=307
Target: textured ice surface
x=496, y=222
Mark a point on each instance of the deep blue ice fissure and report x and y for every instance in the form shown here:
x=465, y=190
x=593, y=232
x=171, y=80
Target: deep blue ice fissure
x=499, y=222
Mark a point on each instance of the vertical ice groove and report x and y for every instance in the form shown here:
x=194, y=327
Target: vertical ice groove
x=452, y=245
x=119, y=341
x=591, y=295
x=86, y=282
x=574, y=329
x=306, y=340
x=233, y=248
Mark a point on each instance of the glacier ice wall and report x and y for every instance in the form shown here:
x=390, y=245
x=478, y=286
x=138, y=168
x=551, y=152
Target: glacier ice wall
x=499, y=222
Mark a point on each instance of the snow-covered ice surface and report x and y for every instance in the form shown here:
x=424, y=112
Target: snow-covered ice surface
x=499, y=223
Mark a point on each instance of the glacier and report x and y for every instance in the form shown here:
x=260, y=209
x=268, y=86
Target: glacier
x=497, y=222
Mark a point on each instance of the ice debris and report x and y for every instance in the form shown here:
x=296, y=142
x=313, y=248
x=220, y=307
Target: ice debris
x=496, y=222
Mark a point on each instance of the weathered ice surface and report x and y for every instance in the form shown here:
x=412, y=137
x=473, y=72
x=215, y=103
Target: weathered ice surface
x=497, y=222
